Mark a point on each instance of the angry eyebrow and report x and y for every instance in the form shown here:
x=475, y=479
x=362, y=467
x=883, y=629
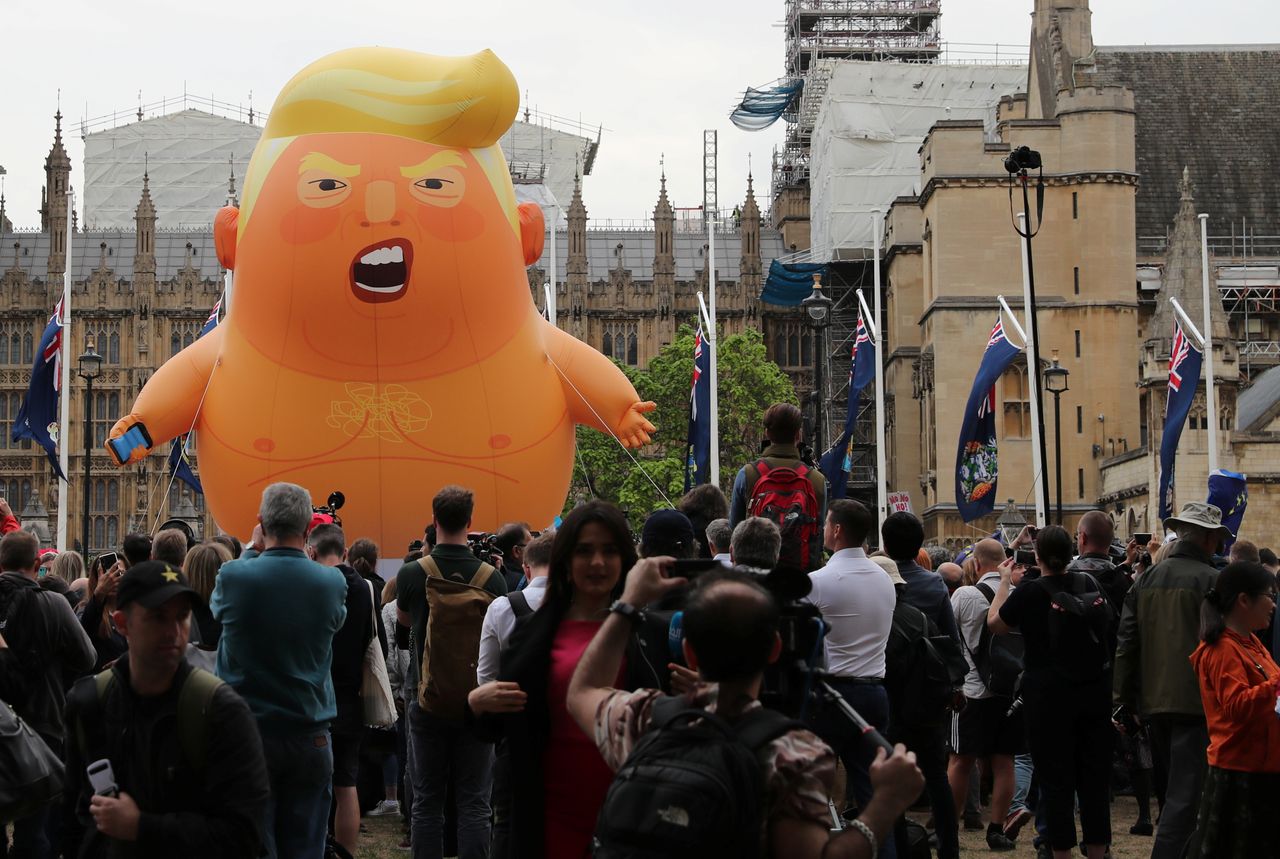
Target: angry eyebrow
x=440, y=159
x=320, y=161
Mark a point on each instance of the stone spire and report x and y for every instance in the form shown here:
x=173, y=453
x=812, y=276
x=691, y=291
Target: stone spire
x=576, y=216
x=231, y=183
x=749, y=229
x=1061, y=37
x=1183, y=275
x=144, y=218
x=664, y=228
x=53, y=211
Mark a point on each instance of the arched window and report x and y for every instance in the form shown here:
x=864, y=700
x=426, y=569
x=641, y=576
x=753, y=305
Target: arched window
x=113, y=531
x=99, y=538
x=633, y=350
x=793, y=350
x=113, y=495
x=27, y=354
x=113, y=355
x=4, y=345
x=175, y=343
x=100, y=495
x=780, y=348
x=806, y=349
x=607, y=346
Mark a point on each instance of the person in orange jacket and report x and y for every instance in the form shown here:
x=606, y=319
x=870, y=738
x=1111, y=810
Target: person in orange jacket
x=1239, y=683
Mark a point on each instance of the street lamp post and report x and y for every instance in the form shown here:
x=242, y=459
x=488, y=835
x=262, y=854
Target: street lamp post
x=1011, y=523
x=1055, y=379
x=90, y=369
x=818, y=306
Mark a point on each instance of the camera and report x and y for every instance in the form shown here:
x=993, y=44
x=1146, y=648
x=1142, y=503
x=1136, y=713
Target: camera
x=485, y=547
x=1022, y=158
x=331, y=507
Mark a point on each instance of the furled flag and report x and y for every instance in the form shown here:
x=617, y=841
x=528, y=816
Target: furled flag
x=212, y=322
x=836, y=462
x=1228, y=492
x=38, y=417
x=180, y=464
x=698, y=454
x=976, y=457
x=1184, y=376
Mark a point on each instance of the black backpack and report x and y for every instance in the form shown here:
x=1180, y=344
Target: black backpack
x=18, y=599
x=922, y=668
x=1079, y=616
x=692, y=787
x=999, y=658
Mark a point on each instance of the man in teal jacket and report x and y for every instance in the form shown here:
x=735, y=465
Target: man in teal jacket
x=279, y=611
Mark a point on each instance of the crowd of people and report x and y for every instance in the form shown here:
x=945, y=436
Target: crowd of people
x=581, y=692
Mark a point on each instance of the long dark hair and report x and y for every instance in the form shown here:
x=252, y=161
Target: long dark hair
x=560, y=583
x=1053, y=549
x=1242, y=577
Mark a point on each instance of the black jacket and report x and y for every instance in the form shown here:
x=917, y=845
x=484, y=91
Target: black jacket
x=218, y=811
x=527, y=661
x=349, y=645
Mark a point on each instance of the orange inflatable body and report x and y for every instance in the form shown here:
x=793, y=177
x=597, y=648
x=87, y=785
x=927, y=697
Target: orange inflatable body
x=381, y=338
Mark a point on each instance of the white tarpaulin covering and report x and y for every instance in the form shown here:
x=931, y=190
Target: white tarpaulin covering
x=867, y=136
x=189, y=156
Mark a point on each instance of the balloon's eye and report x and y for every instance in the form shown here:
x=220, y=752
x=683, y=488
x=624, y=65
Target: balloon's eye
x=433, y=184
x=444, y=188
x=329, y=184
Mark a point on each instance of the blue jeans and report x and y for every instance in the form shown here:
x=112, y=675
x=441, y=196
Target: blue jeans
x=1022, y=772
x=439, y=749
x=300, y=767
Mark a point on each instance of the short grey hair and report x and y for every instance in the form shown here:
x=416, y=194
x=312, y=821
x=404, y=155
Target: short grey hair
x=756, y=542
x=285, y=510
x=719, y=533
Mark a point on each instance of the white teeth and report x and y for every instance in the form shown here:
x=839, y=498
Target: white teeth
x=383, y=255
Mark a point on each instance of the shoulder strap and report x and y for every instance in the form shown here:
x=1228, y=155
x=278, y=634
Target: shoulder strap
x=519, y=604
x=762, y=469
x=429, y=566
x=801, y=469
x=194, y=703
x=89, y=719
x=482, y=576
x=987, y=592
x=762, y=726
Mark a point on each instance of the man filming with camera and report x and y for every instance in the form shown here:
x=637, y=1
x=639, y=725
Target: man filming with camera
x=730, y=626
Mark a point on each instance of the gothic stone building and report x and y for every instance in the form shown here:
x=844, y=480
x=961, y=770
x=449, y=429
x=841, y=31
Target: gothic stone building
x=142, y=295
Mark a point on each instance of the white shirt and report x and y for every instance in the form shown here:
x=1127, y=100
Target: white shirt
x=970, y=608
x=856, y=598
x=499, y=623
x=723, y=558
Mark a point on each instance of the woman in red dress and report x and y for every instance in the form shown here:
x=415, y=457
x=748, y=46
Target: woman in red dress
x=558, y=777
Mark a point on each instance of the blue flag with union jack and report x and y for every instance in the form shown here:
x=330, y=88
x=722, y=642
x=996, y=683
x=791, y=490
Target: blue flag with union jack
x=976, y=458
x=697, y=468
x=1184, y=376
x=212, y=322
x=836, y=463
x=38, y=417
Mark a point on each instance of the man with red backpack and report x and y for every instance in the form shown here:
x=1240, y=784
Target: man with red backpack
x=780, y=487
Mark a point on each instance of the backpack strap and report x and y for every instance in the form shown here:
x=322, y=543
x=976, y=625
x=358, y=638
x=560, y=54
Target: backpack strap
x=762, y=468
x=482, y=576
x=987, y=592
x=519, y=604
x=762, y=726
x=430, y=567
x=90, y=733
x=194, y=704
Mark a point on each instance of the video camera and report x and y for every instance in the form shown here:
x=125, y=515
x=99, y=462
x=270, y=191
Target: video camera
x=331, y=507
x=485, y=547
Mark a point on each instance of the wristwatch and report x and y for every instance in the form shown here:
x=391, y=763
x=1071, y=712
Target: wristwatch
x=627, y=610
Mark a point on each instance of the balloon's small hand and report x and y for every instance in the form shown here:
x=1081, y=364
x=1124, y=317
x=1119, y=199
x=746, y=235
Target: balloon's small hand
x=128, y=440
x=634, y=430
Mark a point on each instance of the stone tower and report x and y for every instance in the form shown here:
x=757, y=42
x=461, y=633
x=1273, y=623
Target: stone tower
x=750, y=231
x=576, y=262
x=664, y=254
x=144, y=258
x=53, y=208
x=1061, y=37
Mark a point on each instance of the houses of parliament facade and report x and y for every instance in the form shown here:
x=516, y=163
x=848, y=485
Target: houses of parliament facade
x=141, y=295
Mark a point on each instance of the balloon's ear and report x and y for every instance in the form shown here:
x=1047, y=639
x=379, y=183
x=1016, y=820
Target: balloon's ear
x=532, y=232
x=225, y=225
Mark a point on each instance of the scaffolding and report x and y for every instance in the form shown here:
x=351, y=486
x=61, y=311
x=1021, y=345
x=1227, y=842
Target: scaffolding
x=902, y=30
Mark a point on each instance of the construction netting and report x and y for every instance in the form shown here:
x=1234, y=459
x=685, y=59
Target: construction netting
x=761, y=108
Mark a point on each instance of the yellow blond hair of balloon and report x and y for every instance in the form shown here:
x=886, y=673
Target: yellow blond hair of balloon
x=463, y=102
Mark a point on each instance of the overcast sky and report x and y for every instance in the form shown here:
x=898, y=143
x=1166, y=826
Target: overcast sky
x=653, y=73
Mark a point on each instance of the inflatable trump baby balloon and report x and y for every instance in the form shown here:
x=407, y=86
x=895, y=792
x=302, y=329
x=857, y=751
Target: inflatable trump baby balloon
x=382, y=340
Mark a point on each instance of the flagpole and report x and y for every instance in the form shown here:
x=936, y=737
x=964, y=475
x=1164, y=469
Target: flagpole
x=882, y=477
x=1033, y=383
x=1210, y=401
x=64, y=393
x=711, y=340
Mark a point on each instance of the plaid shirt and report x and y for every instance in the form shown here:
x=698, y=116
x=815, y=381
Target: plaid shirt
x=799, y=769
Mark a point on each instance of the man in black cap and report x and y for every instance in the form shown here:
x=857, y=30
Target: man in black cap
x=667, y=533
x=186, y=763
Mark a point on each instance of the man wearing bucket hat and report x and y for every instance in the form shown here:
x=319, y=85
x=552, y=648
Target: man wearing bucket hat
x=1153, y=677
x=187, y=775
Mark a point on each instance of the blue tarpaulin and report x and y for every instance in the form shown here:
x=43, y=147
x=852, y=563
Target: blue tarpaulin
x=761, y=108
x=788, y=285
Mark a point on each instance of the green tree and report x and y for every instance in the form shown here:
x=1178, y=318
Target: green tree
x=749, y=383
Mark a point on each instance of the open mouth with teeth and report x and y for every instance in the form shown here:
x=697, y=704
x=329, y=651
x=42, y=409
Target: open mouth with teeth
x=380, y=272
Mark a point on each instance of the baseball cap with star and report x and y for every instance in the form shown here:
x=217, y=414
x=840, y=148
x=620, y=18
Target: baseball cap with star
x=153, y=583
